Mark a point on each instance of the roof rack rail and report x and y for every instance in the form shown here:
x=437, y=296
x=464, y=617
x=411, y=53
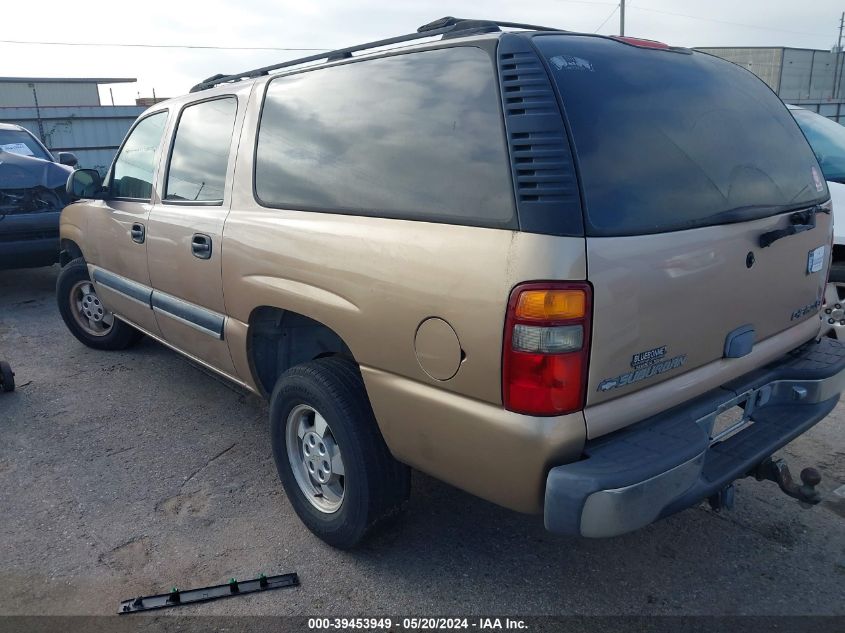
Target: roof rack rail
x=472, y=24
x=444, y=26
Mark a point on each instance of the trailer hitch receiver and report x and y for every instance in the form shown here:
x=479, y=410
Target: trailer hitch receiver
x=777, y=471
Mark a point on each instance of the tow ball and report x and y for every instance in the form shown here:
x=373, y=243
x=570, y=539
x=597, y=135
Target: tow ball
x=777, y=471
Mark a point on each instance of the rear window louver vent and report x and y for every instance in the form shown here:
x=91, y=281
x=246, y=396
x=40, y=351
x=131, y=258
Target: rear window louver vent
x=546, y=186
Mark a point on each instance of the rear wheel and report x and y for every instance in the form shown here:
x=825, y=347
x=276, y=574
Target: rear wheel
x=85, y=315
x=334, y=465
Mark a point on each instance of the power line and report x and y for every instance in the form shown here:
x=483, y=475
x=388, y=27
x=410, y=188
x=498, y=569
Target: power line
x=597, y=4
x=598, y=28
x=748, y=26
x=108, y=44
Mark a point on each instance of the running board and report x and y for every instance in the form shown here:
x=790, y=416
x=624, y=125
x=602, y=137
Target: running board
x=178, y=598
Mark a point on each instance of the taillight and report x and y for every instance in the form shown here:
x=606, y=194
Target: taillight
x=546, y=348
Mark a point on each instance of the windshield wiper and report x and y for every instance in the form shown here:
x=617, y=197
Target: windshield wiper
x=800, y=221
x=746, y=213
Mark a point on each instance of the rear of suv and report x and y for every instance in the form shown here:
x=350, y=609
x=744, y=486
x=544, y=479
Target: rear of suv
x=545, y=267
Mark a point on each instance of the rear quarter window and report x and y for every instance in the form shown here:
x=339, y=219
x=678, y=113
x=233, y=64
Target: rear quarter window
x=667, y=140
x=415, y=136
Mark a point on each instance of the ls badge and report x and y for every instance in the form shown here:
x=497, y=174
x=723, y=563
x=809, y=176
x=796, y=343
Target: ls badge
x=815, y=260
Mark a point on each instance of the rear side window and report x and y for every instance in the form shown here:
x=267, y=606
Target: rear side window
x=667, y=141
x=134, y=167
x=416, y=136
x=200, y=156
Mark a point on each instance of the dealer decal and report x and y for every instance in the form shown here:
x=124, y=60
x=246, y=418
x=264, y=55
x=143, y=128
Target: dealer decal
x=646, y=365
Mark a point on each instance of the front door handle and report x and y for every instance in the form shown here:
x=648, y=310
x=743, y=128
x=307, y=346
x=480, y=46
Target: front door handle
x=201, y=246
x=138, y=233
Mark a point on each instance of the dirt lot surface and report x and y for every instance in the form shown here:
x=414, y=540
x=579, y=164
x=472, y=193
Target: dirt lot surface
x=127, y=473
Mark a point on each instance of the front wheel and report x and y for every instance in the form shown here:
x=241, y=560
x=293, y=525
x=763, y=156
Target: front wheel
x=85, y=316
x=334, y=465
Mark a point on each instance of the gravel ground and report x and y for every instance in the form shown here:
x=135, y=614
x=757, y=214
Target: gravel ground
x=127, y=473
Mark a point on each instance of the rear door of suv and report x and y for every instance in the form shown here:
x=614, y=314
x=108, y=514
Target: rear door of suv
x=186, y=227
x=699, y=196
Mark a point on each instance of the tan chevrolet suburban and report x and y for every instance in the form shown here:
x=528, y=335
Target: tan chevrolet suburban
x=571, y=274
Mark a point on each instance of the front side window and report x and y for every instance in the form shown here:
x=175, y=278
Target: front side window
x=413, y=136
x=134, y=167
x=200, y=154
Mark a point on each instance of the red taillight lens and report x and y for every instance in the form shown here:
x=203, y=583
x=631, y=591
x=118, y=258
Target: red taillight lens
x=546, y=347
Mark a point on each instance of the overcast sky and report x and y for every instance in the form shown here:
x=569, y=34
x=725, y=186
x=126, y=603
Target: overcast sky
x=337, y=23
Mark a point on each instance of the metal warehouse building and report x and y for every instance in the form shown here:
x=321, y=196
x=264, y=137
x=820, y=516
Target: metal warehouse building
x=810, y=78
x=66, y=114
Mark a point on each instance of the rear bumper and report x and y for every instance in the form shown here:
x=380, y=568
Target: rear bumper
x=667, y=463
x=29, y=239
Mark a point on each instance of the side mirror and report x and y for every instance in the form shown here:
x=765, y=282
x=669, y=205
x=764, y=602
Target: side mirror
x=68, y=158
x=84, y=183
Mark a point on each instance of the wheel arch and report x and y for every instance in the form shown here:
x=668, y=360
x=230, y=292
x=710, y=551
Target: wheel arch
x=68, y=251
x=278, y=339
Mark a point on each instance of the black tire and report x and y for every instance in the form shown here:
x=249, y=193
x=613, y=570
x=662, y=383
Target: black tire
x=7, y=377
x=120, y=336
x=375, y=484
x=837, y=273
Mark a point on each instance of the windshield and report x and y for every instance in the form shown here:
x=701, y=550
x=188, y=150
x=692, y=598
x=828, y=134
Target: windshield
x=19, y=142
x=827, y=138
x=668, y=140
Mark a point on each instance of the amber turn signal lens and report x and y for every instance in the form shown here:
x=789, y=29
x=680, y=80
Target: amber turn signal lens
x=549, y=305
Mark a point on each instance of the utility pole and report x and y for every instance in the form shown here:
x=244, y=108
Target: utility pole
x=622, y=20
x=836, y=71
x=38, y=114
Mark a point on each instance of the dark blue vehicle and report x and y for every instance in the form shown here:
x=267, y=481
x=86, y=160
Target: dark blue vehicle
x=32, y=195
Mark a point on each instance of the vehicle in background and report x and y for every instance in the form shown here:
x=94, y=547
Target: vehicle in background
x=537, y=265
x=32, y=195
x=827, y=138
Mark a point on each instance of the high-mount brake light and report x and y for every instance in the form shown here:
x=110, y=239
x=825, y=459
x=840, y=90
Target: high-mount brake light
x=546, y=348
x=640, y=43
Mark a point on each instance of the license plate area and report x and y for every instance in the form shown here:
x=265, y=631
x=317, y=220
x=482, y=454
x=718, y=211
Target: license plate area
x=734, y=416
x=730, y=422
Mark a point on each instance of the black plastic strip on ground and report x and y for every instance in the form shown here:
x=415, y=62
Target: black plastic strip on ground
x=233, y=588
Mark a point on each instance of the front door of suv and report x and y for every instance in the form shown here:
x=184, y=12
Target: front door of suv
x=184, y=235
x=118, y=254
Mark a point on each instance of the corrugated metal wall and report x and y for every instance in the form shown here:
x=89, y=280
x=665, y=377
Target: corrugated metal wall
x=800, y=76
x=763, y=62
x=19, y=94
x=808, y=75
x=93, y=133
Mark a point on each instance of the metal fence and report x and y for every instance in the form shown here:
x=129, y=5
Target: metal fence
x=93, y=133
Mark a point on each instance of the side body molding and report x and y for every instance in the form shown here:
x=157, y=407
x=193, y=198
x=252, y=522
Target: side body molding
x=126, y=287
x=199, y=318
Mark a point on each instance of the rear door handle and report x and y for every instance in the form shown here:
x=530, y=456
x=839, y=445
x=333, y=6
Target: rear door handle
x=138, y=233
x=201, y=246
